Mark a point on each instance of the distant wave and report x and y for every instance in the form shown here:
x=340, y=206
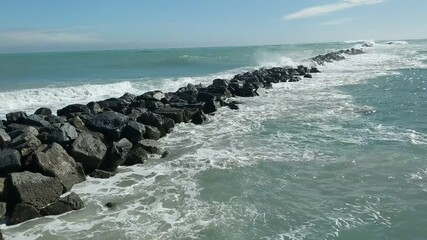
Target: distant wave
x=396, y=43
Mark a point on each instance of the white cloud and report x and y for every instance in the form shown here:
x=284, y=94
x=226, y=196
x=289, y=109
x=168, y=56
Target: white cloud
x=329, y=8
x=337, y=22
x=56, y=37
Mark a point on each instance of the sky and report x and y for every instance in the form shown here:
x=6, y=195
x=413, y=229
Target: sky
x=64, y=25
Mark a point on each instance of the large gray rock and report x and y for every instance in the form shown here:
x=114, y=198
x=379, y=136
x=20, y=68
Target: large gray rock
x=55, y=119
x=152, y=133
x=117, y=155
x=153, y=95
x=15, y=116
x=70, y=110
x=137, y=155
x=88, y=150
x=155, y=120
x=61, y=132
x=35, y=120
x=110, y=124
x=150, y=145
x=10, y=161
x=23, y=212
x=43, y=111
x=68, y=203
x=134, y=131
x=26, y=143
x=54, y=161
x=34, y=189
x=15, y=130
x=4, y=138
x=176, y=114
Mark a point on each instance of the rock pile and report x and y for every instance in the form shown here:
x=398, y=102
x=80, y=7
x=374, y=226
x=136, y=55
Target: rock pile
x=43, y=155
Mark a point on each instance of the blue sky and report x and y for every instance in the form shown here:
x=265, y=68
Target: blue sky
x=55, y=25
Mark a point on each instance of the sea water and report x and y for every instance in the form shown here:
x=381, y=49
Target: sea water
x=339, y=156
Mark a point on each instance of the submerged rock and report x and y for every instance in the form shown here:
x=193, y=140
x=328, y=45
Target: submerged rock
x=23, y=212
x=68, y=203
x=98, y=173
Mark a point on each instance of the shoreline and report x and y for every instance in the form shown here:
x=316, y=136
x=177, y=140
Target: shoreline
x=96, y=138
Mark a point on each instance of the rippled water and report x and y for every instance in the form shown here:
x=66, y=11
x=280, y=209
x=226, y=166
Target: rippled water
x=339, y=156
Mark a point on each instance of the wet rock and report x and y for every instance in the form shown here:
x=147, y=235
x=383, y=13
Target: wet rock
x=98, y=173
x=68, y=203
x=153, y=95
x=94, y=107
x=220, y=82
x=88, y=150
x=153, y=105
x=23, y=212
x=14, y=117
x=135, y=113
x=232, y=106
x=69, y=110
x=308, y=75
x=26, y=143
x=3, y=211
x=4, y=138
x=115, y=104
x=43, y=111
x=151, y=146
x=16, y=130
x=34, y=120
x=10, y=161
x=137, y=155
x=78, y=123
x=2, y=124
x=176, y=114
x=153, y=119
x=61, y=132
x=110, y=124
x=314, y=70
x=152, y=133
x=55, y=119
x=204, y=97
x=210, y=106
x=34, y=189
x=134, y=131
x=117, y=155
x=111, y=205
x=54, y=161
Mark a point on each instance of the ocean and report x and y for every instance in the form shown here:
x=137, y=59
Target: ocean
x=340, y=156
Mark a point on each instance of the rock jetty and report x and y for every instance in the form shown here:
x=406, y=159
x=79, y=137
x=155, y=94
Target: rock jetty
x=43, y=155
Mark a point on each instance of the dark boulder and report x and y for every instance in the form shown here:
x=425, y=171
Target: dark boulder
x=14, y=130
x=220, y=82
x=204, y=97
x=34, y=189
x=98, y=173
x=69, y=110
x=14, y=117
x=55, y=119
x=61, y=132
x=68, y=203
x=26, y=143
x=219, y=91
x=137, y=155
x=210, y=106
x=135, y=113
x=10, y=161
x=2, y=124
x=134, y=131
x=110, y=124
x=314, y=70
x=153, y=119
x=54, y=161
x=152, y=105
x=23, y=212
x=94, y=107
x=89, y=150
x=176, y=114
x=151, y=146
x=168, y=124
x=152, y=95
x=308, y=75
x=152, y=133
x=34, y=120
x=115, y=104
x=43, y=111
x=4, y=138
x=117, y=155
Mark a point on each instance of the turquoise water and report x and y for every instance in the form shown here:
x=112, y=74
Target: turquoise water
x=339, y=156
